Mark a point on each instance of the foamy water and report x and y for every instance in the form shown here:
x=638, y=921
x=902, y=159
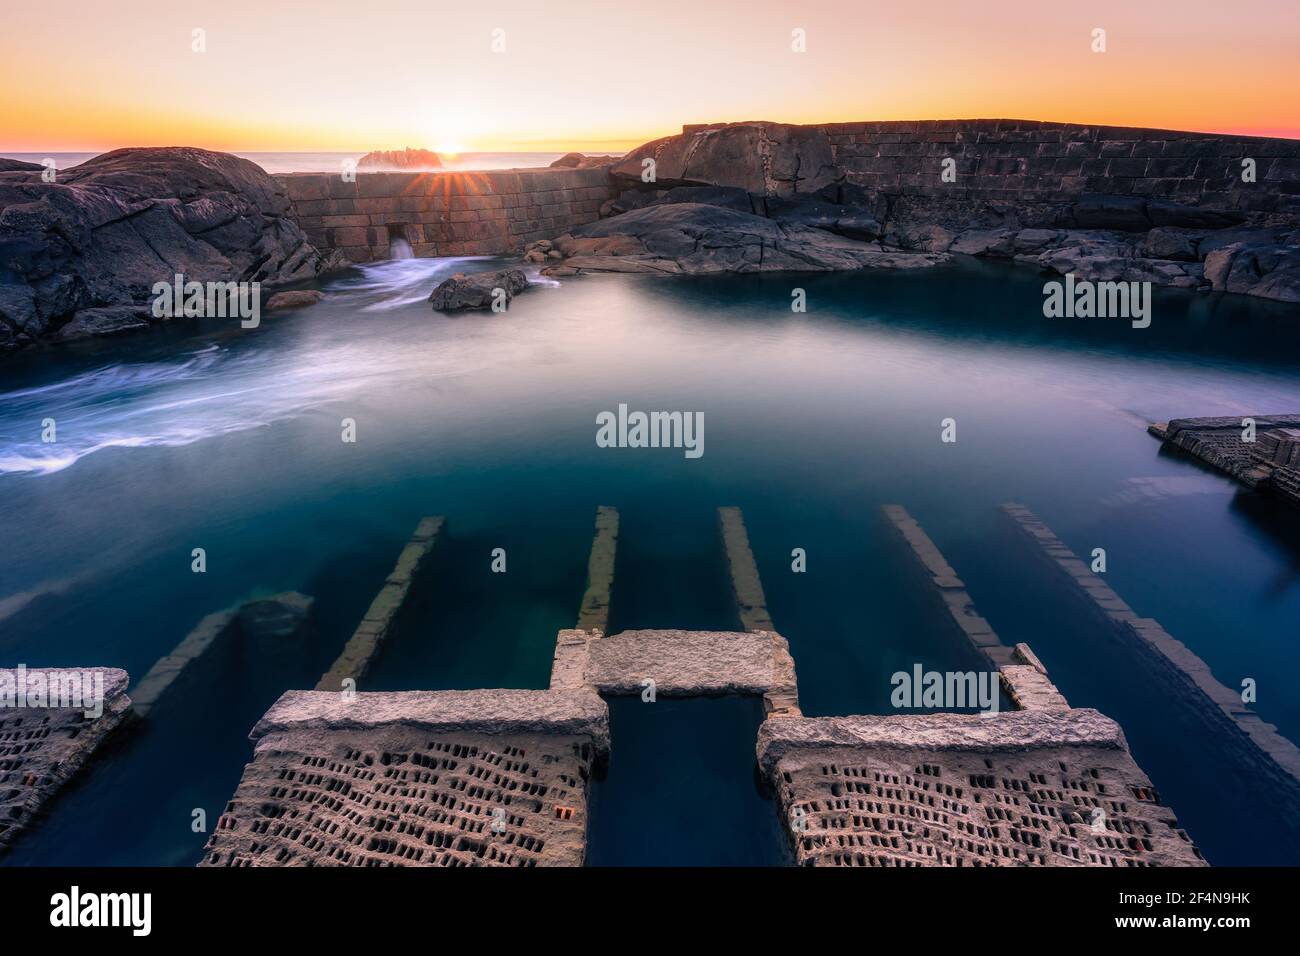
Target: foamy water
x=219, y=388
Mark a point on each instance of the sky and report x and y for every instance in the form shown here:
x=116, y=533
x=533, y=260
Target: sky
x=92, y=75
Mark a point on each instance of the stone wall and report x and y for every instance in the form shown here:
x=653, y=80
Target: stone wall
x=1025, y=161
x=443, y=214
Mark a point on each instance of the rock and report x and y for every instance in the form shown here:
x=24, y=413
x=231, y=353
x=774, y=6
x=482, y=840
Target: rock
x=278, y=618
x=1136, y=214
x=1222, y=238
x=695, y=238
x=110, y=320
x=18, y=166
x=1164, y=242
x=1268, y=270
x=1099, y=211
x=766, y=159
x=985, y=242
x=477, y=291
x=401, y=159
x=579, y=161
x=1035, y=240
x=854, y=223
x=729, y=197
x=297, y=299
x=1164, y=213
x=109, y=229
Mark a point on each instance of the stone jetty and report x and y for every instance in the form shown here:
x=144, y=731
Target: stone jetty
x=42, y=746
x=278, y=618
x=368, y=639
x=445, y=778
x=1256, y=744
x=1043, y=785
x=500, y=777
x=1270, y=462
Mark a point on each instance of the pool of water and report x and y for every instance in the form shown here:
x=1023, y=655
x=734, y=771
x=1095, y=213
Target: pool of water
x=207, y=435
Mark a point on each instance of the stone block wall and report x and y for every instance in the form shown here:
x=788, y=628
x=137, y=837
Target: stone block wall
x=1025, y=161
x=492, y=212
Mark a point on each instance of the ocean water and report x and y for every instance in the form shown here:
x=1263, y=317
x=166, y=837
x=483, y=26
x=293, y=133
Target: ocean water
x=202, y=434
x=328, y=162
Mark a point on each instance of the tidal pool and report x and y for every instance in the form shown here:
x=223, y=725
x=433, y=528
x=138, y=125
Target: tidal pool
x=207, y=435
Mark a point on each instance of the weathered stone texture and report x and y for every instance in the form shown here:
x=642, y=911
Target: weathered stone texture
x=1018, y=789
x=444, y=214
x=451, y=778
x=1024, y=161
x=42, y=748
x=593, y=615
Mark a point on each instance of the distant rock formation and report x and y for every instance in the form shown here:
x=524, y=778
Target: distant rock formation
x=579, y=161
x=477, y=291
x=81, y=255
x=401, y=159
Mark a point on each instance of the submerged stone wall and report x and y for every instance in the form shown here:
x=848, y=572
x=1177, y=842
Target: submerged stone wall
x=1025, y=161
x=493, y=212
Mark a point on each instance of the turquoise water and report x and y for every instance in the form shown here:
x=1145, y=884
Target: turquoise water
x=206, y=435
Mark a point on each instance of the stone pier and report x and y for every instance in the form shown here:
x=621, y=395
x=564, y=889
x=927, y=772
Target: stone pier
x=279, y=617
x=368, y=639
x=745, y=583
x=445, y=778
x=499, y=777
x=1027, y=788
x=594, y=612
x=1270, y=463
x=1256, y=743
x=1020, y=671
x=42, y=747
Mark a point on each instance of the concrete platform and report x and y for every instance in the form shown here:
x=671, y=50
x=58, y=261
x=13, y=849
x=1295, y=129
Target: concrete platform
x=681, y=664
x=420, y=778
x=1026, y=788
x=1270, y=463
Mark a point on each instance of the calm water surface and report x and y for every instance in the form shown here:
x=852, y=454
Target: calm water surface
x=205, y=435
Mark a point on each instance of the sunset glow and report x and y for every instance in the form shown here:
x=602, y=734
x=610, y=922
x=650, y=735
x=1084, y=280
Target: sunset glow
x=606, y=77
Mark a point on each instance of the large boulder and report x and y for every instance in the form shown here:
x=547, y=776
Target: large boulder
x=480, y=290
x=98, y=239
x=767, y=159
x=697, y=238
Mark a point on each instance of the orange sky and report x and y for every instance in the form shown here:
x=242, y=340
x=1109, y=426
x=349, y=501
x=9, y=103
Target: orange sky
x=335, y=75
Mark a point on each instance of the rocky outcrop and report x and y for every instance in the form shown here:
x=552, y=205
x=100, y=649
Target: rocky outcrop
x=18, y=166
x=696, y=238
x=766, y=159
x=400, y=159
x=79, y=257
x=580, y=161
x=480, y=290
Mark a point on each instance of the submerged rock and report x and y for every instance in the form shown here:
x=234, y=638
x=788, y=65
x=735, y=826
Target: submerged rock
x=695, y=238
x=481, y=290
x=101, y=235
